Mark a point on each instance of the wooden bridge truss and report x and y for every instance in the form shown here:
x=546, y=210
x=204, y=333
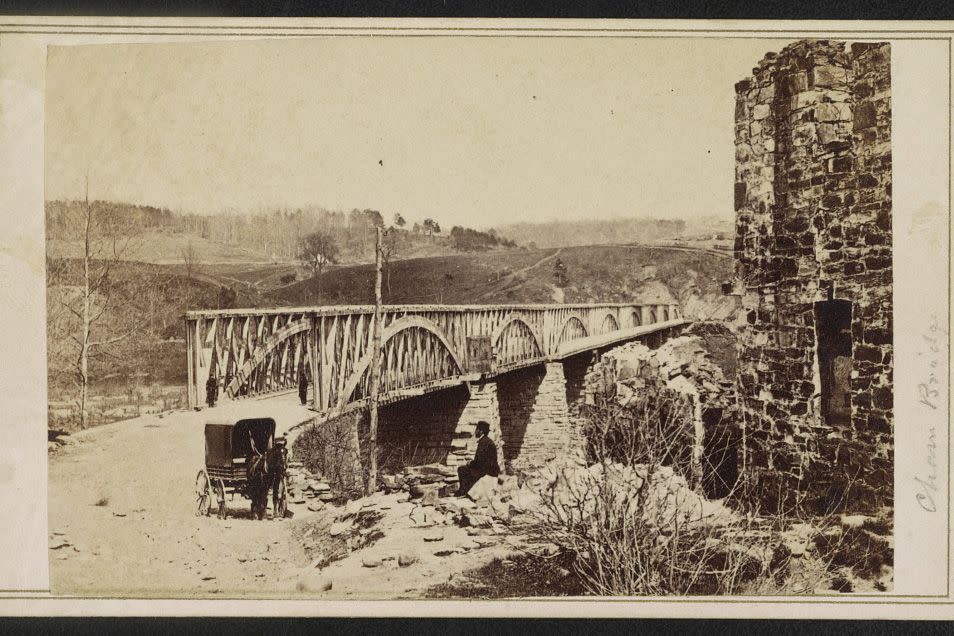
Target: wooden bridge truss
x=255, y=352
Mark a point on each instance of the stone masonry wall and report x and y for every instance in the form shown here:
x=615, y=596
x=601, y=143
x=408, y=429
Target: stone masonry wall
x=535, y=417
x=813, y=224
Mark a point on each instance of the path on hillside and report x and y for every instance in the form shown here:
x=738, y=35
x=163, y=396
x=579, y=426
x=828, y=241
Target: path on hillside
x=505, y=282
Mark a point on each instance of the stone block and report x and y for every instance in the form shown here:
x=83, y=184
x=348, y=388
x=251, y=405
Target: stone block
x=826, y=76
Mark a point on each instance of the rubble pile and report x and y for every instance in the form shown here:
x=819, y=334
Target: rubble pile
x=570, y=490
x=681, y=364
x=430, y=480
x=305, y=487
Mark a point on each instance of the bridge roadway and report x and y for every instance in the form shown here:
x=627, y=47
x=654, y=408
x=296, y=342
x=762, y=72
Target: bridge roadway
x=255, y=352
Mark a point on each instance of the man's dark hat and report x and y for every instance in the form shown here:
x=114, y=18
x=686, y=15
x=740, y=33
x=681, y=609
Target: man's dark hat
x=483, y=426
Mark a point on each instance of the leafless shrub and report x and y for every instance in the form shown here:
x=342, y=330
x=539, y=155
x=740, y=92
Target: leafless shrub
x=633, y=516
x=331, y=450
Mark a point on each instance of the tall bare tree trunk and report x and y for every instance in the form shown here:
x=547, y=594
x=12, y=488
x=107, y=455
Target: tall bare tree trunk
x=375, y=369
x=319, y=285
x=84, y=344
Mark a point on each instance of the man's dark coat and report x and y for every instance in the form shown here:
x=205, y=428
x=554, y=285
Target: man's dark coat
x=484, y=463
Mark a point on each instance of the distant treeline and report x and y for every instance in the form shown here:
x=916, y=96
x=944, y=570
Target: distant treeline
x=274, y=234
x=592, y=231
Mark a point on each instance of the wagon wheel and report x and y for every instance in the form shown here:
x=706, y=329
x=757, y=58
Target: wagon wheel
x=203, y=493
x=280, y=500
x=220, y=496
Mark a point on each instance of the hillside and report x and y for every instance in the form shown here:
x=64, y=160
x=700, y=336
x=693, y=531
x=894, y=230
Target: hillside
x=599, y=273
x=158, y=235
x=593, y=231
x=162, y=246
x=142, y=324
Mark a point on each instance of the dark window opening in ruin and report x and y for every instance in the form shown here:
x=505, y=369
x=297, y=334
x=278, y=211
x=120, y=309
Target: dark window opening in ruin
x=833, y=335
x=720, y=455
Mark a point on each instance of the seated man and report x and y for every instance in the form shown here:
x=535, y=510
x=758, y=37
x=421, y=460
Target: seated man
x=484, y=462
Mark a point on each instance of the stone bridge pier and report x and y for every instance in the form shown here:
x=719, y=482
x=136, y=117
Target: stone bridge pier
x=529, y=411
x=532, y=414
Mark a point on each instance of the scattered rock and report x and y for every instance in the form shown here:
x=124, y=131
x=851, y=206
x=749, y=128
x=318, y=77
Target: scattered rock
x=339, y=527
x=444, y=553
x=369, y=561
x=407, y=558
x=434, y=536
x=484, y=490
x=476, y=520
x=430, y=497
x=352, y=508
x=314, y=583
x=423, y=517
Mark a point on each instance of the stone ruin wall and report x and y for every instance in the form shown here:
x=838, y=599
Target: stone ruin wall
x=813, y=223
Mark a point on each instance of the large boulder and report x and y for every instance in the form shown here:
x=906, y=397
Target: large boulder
x=486, y=488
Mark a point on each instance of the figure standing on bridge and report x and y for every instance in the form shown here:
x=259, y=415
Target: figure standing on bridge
x=211, y=390
x=303, y=386
x=484, y=462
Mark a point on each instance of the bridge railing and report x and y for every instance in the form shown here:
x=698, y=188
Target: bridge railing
x=259, y=351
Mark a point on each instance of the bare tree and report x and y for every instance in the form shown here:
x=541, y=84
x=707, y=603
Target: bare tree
x=190, y=258
x=104, y=243
x=389, y=249
x=317, y=250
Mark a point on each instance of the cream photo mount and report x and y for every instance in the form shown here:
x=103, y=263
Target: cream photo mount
x=920, y=159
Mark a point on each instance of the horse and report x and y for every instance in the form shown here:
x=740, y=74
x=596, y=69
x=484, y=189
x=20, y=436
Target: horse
x=264, y=472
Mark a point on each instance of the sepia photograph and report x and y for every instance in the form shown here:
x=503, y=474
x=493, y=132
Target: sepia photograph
x=475, y=318
x=457, y=318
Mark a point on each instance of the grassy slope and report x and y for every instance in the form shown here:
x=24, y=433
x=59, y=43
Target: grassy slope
x=614, y=273
x=457, y=279
x=149, y=299
x=165, y=247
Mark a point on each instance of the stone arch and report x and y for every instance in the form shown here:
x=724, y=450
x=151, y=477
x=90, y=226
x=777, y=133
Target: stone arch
x=398, y=326
x=525, y=334
x=573, y=328
x=665, y=313
x=635, y=318
x=262, y=352
x=652, y=315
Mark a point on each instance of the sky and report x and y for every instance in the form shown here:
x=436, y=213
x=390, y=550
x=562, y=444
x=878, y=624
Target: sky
x=470, y=131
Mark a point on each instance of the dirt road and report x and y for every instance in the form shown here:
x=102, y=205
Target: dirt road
x=122, y=515
x=122, y=524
